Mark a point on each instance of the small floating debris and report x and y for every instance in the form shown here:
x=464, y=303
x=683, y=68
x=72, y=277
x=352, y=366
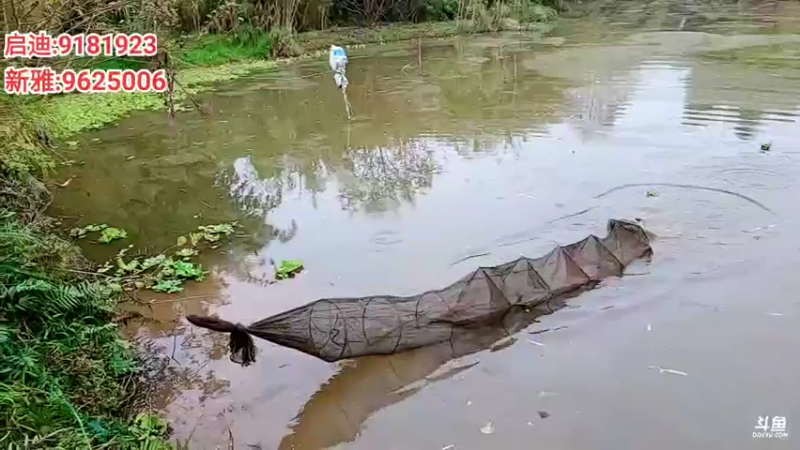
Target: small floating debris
x=449, y=447
x=66, y=183
x=670, y=371
x=488, y=428
x=652, y=193
x=560, y=327
x=765, y=147
x=476, y=255
x=536, y=343
x=544, y=414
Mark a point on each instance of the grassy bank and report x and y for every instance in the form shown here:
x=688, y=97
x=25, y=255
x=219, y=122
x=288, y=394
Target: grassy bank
x=68, y=380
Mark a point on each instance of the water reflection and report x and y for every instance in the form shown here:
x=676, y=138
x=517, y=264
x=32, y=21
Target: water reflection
x=252, y=194
x=367, y=385
x=376, y=178
x=258, y=146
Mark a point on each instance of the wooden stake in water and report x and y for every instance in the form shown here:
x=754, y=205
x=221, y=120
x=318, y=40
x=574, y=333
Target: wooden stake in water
x=347, y=104
x=419, y=54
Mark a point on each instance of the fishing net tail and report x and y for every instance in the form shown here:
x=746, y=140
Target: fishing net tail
x=243, y=349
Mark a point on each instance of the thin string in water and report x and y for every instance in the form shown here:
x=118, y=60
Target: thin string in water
x=688, y=186
x=347, y=104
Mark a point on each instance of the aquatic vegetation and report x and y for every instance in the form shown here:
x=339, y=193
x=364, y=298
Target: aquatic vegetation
x=81, y=232
x=107, y=234
x=110, y=234
x=70, y=114
x=165, y=272
x=288, y=269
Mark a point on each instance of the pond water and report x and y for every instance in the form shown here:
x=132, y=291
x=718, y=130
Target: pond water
x=494, y=146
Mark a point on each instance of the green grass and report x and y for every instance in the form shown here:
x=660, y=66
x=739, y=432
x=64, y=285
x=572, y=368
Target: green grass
x=214, y=50
x=114, y=63
x=68, y=379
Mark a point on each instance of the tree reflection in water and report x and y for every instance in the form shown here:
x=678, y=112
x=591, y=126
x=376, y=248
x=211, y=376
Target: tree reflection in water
x=376, y=179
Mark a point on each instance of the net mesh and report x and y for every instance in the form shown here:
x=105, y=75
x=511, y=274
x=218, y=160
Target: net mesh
x=342, y=328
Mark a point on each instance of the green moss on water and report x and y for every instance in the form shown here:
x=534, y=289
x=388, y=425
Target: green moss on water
x=203, y=76
x=766, y=56
x=73, y=113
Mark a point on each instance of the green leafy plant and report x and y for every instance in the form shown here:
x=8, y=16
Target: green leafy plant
x=288, y=269
x=110, y=234
x=147, y=426
x=107, y=234
x=167, y=286
x=81, y=232
x=166, y=272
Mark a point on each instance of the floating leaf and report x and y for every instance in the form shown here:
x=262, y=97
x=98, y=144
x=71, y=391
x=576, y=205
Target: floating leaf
x=153, y=261
x=186, y=269
x=112, y=234
x=196, y=238
x=168, y=286
x=186, y=252
x=81, y=232
x=288, y=269
x=127, y=267
x=182, y=241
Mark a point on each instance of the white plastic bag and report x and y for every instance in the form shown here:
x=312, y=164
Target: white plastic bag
x=337, y=59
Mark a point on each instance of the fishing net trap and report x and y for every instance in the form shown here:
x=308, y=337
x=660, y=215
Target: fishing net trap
x=333, y=329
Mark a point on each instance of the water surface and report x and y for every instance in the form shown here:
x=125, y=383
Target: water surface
x=496, y=146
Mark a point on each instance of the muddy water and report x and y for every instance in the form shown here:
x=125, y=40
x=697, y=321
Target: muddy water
x=496, y=146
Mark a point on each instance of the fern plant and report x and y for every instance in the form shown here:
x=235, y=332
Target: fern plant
x=65, y=367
